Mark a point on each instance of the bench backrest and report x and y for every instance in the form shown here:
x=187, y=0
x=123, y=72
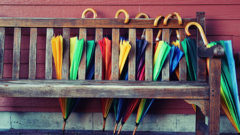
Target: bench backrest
x=98, y=24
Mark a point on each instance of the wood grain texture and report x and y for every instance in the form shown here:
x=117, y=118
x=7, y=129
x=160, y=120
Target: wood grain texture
x=201, y=62
x=85, y=23
x=103, y=89
x=115, y=54
x=66, y=50
x=2, y=44
x=16, y=53
x=48, y=57
x=82, y=66
x=166, y=67
x=182, y=63
x=132, y=55
x=98, y=55
x=32, y=53
x=149, y=55
x=214, y=105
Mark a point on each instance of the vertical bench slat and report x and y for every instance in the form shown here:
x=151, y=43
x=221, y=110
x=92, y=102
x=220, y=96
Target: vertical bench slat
x=32, y=53
x=16, y=53
x=115, y=54
x=2, y=44
x=82, y=66
x=201, y=62
x=149, y=55
x=165, y=69
x=98, y=55
x=182, y=63
x=132, y=55
x=66, y=49
x=48, y=58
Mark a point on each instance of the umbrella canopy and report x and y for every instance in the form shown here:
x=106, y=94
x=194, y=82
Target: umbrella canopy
x=68, y=104
x=90, y=59
x=106, y=50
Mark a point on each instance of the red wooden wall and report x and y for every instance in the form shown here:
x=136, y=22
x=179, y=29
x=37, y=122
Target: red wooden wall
x=223, y=23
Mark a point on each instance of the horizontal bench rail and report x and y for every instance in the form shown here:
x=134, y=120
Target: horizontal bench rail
x=87, y=23
x=101, y=89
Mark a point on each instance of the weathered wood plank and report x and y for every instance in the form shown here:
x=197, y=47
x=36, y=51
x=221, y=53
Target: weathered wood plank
x=2, y=44
x=214, y=105
x=66, y=49
x=132, y=55
x=103, y=89
x=182, y=63
x=115, y=54
x=201, y=62
x=98, y=55
x=86, y=23
x=48, y=58
x=149, y=55
x=16, y=53
x=82, y=66
x=32, y=54
x=166, y=67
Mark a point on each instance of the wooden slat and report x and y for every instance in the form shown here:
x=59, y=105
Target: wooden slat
x=132, y=55
x=82, y=66
x=2, y=44
x=98, y=55
x=166, y=68
x=182, y=63
x=149, y=55
x=86, y=23
x=214, y=105
x=115, y=54
x=48, y=58
x=201, y=62
x=103, y=89
x=32, y=53
x=16, y=53
x=66, y=49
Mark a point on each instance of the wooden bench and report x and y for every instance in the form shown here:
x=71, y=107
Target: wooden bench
x=205, y=92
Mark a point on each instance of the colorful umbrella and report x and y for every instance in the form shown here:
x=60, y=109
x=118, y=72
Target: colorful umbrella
x=228, y=89
x=76, y=49
x=106, y=50
x=119, y=104
x=90, y=59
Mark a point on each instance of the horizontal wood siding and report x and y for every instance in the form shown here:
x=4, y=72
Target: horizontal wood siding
x=222, y=22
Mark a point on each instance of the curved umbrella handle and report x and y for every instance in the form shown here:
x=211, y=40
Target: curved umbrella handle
x=89, y=10
x=157, y=20
x=139, y=15
x=200, y=30
x=172, y=15
x=125, y=13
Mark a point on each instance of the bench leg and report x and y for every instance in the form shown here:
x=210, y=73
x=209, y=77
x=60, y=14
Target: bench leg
x=214, y=101
x=200, y=122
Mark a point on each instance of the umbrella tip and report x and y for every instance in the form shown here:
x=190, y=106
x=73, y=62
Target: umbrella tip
x=115, y=128
x=64, y=125
x=104, y=124
x=135, y=129
x=120, y=128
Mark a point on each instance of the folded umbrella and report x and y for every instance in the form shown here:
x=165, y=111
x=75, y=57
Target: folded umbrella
x=228, y=89
x=69, y=104
x=90, y=59
x=106, y=50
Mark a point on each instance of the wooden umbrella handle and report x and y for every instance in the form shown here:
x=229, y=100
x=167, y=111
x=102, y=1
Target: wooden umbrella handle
x=174, y=14
x=125, y=13
x=157, y=20
x=139, y=15
x=204, y=38
x=89, y=10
